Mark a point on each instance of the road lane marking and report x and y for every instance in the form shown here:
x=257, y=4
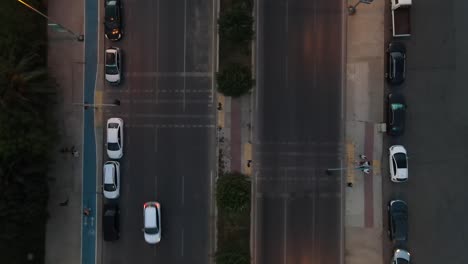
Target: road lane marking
x=185, y=47
x=156, y=139
x=182, y=241
x=156, y=96
x=285, y=233
x=183, y=188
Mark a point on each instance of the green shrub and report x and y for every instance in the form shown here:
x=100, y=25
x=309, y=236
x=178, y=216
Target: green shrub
x=234, y=80
x=233, y=256
x=236, y=24
x=233, y=193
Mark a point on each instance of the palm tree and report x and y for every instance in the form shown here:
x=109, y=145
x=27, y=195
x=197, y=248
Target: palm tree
x=24, y=84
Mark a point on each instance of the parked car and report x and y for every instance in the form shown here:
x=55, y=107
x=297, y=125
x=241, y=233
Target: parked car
x=396, y=114
x=113, y=20
x=111, y=180
x=398, y=163
x=401, y=256
x=115, y=138
x=113, y=65
x=111, y=222
x=396, y=72
x=152, y=222
x=398, y=221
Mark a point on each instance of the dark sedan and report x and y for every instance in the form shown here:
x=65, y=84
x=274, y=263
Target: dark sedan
x=113, y=20
x=396, y=114
x=396, y=72
x=398, y=221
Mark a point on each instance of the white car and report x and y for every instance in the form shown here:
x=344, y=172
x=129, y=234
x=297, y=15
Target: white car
x=115, y=138
x=398, y=163
x=113, y=65
x=401, y=256
x=111, y=180
x=152, y=222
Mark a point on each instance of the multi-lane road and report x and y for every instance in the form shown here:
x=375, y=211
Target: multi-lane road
x=169, y=143
x=297, y=207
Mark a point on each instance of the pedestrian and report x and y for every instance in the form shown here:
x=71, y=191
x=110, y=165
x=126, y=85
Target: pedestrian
x=220, y=106
x=86, y=211
x=248, y=163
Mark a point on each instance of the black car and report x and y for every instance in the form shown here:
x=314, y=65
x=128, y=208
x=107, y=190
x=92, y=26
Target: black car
x=113, y=20
x=398, y=221
x=396, y=114
x=396, y=72
x=111, y=222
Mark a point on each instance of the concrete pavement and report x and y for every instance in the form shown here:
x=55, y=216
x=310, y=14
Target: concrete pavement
x=65, y=63
x=364, y=114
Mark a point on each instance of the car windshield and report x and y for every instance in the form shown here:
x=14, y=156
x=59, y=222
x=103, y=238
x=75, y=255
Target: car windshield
x=110, y=187
x=113, y=146
x=112, y=125
x=400, y=159
x=151, y=230
x=111, y=70
x=402, y=261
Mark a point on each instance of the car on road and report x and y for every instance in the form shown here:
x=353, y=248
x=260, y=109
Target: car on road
x=396, y=72
x=113, y=20
x=113, y=65
x=398, y=221
x=396, y=114
x=401, y=256
x=111, y=180
x=115, y=138
x=398, y=163
x=152, y=222
x=111, y=222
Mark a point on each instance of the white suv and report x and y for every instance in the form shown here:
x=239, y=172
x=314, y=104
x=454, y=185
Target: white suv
x=111, y=180
x=115, y=138
x=152, y=222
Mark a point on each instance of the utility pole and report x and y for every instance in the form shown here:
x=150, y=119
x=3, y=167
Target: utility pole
x=52, y=23
x=352, y=8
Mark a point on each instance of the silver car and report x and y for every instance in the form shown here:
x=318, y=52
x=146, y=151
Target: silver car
x=115, y=138
x=111, y=180
x=113, y=67
x=152, y=222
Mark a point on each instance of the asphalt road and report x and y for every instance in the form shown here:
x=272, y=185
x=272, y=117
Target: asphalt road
x=436, y=136
x=167, y=106
x=297, y=206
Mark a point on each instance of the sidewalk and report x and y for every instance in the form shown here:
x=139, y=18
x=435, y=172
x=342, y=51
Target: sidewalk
x=234, y=134
x=65, y=63
x=364, y=110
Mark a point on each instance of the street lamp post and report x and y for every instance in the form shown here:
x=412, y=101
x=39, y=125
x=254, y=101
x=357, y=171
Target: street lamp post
x=352, y=8
x=53, y=23
x=87, y=105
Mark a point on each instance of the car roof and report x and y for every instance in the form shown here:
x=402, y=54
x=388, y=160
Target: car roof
x=109, y=170
x=110, y=56
x=112, y=135
x=150, y=216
